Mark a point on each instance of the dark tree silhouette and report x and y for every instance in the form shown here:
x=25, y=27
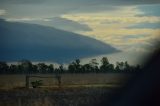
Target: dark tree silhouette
x=4, y=68
x=86, y=68
x=94, y=65
x=51, y=68
x=106, y=66
x=13, y=69
x=26, y=67
x=75, y=66
x=42, y=68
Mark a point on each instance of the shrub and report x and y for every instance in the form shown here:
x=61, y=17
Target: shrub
x=36, y=83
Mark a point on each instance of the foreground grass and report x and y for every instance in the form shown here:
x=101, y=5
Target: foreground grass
x=76, y=90
x=54, y=96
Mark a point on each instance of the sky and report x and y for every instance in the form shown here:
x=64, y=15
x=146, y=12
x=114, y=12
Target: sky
x=128, y=25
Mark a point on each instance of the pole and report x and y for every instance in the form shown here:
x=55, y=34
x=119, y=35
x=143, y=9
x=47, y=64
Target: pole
x=27, y=81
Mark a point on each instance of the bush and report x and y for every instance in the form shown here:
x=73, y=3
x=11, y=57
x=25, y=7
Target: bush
x=36, y=83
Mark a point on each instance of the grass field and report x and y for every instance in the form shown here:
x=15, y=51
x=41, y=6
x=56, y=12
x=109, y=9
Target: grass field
x=90, y=96
x=77, y=90
x=92, y=79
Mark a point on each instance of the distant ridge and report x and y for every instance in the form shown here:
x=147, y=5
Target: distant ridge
x=40, y=43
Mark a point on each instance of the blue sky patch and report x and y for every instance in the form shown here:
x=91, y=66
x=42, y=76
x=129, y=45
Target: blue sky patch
x=150, y=10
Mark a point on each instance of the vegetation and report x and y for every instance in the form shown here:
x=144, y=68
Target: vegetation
x=26, y=67
x=36, y=83
x=81, y=96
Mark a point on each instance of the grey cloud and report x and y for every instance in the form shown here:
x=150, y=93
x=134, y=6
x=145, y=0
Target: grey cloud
x=58, y=22
x=91, y=2
x=35, y=11
x=20, y=1
x=55, y=8
x=68, y=25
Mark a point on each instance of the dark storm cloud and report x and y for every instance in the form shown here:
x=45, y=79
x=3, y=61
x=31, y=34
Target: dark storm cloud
x=39, y=43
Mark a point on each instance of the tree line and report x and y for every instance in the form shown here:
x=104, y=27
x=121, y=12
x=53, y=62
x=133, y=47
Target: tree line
x=27, y=67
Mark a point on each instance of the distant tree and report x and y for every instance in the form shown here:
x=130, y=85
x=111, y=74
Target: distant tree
x=42, y=68
x=34, y=69
x=120, y=65
x=61, y=69
x=13, y=69
x=111, y=68
x=25, y=66
x=51, y=68
x=106, y=66
x=75, y=67
x=4, y=68
x=86, y=68
x=117, y=68
x=125, y=67
x=94, y=65
x=105, y=61
x=71, y=68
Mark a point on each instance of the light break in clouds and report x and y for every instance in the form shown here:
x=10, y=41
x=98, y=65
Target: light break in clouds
x=2, y=12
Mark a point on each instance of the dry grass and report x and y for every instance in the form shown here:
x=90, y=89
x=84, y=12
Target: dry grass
x=17, y=81
x=76, y=90
x=79, y=96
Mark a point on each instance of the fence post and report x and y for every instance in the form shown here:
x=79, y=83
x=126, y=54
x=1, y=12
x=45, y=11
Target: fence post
x=27, y=81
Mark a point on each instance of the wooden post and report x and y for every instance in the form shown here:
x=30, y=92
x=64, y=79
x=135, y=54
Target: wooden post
x=27, y=81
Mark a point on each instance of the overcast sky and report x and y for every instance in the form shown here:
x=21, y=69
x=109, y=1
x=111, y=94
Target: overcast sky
x=129, y=25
